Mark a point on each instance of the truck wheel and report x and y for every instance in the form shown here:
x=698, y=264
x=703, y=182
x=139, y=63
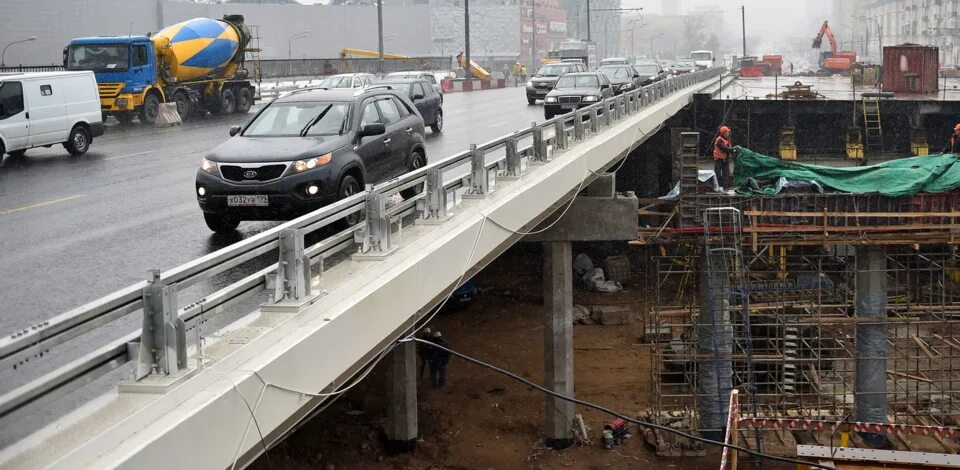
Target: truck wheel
x=184, y=107
x=125, y=118
x=244, y=100
x=221, y=223
x=78, y=142
x=229, y=101
x=150, y=109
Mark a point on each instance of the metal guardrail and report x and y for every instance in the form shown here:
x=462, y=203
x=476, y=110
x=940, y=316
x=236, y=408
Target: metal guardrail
x=282, y=68
x=31, y=68
x=504, y=157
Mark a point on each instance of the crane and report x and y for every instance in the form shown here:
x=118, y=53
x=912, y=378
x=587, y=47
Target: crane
x=833, y=61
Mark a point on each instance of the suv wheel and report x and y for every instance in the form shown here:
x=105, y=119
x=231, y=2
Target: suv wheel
x=221, y=223
x=437, y=126
x=418, y=162
x=78, y=142
x=348, y=187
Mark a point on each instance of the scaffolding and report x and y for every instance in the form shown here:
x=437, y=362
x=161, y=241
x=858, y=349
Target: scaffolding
x=793, y=324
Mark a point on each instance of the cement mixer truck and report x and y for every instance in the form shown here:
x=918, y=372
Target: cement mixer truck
x=198, y=64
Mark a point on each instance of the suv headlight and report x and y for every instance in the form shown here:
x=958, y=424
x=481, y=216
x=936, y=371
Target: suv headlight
x=590, y=99
x=209, y=167
x=550, y=99
x=300, y=166
x=530, y=84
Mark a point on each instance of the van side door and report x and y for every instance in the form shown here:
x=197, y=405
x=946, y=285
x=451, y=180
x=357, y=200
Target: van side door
x=47, y=113
x=14, y=125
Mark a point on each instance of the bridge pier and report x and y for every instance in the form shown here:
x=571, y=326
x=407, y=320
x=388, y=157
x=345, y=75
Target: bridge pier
x=870, y=390
x=401, y=381
x=558, y=340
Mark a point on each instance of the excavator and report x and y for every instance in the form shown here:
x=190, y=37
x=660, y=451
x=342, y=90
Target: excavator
x=833, y=61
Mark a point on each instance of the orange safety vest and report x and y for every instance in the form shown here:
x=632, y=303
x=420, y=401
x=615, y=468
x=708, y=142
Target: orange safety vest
x=717, y=153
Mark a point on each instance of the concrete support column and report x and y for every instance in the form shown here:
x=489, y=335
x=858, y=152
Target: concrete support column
x=714, y=344
x=870, y=398
x=401, y=377
x=558, y=340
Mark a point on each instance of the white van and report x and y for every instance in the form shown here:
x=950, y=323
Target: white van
x=703, y=59
x=41, y=109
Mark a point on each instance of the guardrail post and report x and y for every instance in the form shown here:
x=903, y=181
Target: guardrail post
x=163, y=340
x=595, y=119
x=539, y=145
x=435, y=203
x=579, y=132
x=293, y=275
x=374, y=236
x=479, y=176
x=561, y=140
x=609, y=111
x=514, y=158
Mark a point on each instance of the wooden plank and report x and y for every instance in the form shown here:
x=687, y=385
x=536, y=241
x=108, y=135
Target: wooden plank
x=825, y=230
x=923, y=346
x=893, y=215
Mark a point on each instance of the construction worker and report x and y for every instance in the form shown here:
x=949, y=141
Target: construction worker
x=424, y=351
x=523, y=74
x=516, y=74
x=953, y=143
x=438, y=361
x=722, y=153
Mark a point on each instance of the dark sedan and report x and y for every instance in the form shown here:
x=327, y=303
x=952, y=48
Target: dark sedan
x=650, y=73
x=576, y=90
x=542, y=82
x=308, y=149
x=622, y=77
x=423, y=96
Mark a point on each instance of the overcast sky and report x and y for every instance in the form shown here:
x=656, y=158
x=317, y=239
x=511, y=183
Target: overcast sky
x=763, y=17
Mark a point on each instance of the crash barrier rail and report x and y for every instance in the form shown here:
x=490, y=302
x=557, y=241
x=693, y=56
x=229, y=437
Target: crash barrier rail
x=31, y=68
x=280, y=68
x=160, y=346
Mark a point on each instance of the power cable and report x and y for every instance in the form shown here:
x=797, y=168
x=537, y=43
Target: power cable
x=621, y=415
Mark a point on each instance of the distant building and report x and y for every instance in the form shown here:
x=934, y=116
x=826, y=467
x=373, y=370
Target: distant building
x=604, y=24
x=876, y=23
x=550, y=19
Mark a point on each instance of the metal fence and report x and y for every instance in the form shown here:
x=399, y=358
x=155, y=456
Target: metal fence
x=164, y=319
x=281, y=68
x=30, y=68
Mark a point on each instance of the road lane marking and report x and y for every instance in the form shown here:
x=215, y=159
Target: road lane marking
x=129, y=155
x=498, y=124
x=41, y=204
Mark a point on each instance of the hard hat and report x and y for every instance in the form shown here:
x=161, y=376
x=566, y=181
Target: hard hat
x=426, y=331
x=724, y=129
x=957, y=128
x=436, y=334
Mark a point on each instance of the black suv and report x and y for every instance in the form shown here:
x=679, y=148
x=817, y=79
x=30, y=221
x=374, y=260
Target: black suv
x=543, y=81
x=424, y=97
x=308, y=149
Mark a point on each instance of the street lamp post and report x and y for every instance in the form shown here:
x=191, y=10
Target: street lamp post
x=380, y=35
x=4, y=53
x=294, y=37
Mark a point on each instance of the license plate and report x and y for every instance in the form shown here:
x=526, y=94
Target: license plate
x=257, y=200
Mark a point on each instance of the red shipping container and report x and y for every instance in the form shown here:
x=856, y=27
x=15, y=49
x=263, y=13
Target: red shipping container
x=911, y=68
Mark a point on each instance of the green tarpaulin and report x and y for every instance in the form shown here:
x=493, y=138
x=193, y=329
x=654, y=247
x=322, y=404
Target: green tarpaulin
x=901, y=177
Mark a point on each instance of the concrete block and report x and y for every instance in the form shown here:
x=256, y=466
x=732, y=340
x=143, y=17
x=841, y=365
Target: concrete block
x=611, y=315
x=593, y=219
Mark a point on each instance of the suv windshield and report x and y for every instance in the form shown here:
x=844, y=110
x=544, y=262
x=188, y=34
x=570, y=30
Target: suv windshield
x=578, y=81
x=553, y=70
x=337, y=82
x=647, y=69
x=620, y=73
x=299, y=119
x=98, y=57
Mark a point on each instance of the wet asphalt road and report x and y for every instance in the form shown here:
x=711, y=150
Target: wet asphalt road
x=73, y=229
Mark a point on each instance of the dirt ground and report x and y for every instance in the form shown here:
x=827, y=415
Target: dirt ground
x=483, y=420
